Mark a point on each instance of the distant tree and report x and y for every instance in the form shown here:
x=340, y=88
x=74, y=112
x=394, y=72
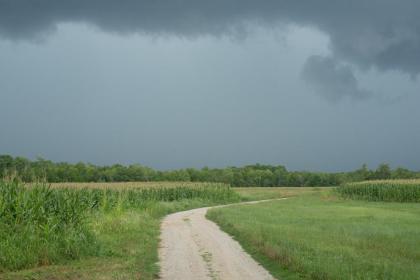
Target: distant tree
x=6, y=165
x=280, y=176
x=402, y=173
x=361, y=174
x=257, y=175
x=383, y=172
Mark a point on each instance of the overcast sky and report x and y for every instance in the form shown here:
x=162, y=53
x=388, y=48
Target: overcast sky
x=313, y=85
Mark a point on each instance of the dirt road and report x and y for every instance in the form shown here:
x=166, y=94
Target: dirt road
x=193, y=247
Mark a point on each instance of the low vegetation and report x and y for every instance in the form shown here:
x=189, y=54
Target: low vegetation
x=260, y=193
x=40, y=226
x=319, y=236
x=110, y=230
x=383, y=190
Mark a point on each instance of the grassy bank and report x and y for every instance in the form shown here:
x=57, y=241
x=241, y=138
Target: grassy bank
x=322, y=237
x=65, y=233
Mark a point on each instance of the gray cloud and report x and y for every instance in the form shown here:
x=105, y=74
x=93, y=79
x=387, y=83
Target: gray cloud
x=332, y=80
x=378, y=33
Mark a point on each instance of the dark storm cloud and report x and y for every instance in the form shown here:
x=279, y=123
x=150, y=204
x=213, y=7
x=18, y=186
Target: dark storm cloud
x=380, y=33
x=332, y=80
x=211, y=101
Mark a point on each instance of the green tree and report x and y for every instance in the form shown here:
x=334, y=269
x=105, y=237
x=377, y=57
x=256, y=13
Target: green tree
x=383, y=172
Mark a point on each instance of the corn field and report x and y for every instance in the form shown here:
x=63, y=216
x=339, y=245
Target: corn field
x=383, y=190
x=129, y=185
x=41, y=225
x=126, y=198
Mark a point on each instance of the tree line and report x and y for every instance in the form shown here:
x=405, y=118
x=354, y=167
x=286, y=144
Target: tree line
x=251, y=175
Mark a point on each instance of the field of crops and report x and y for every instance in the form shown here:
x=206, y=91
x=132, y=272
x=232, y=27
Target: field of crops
x=42, y=225
x=383, y=190
x=130, y=185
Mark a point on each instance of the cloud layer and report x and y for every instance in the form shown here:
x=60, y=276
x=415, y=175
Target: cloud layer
x=196, y=97
x=380, y=33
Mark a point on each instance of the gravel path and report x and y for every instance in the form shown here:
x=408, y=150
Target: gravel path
x=193, y=247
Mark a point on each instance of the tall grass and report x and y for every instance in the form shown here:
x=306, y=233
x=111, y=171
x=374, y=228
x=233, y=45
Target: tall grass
x=40, y=225
x=383, y=190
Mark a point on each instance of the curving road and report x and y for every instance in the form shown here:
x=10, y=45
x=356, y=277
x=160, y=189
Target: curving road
x=193, y=247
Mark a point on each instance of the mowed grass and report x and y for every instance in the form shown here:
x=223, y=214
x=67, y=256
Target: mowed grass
x=319, y=236
x=383, y=190
x=260, y=193
x=122, y=226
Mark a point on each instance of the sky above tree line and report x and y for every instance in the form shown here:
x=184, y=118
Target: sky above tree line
x=316, y=85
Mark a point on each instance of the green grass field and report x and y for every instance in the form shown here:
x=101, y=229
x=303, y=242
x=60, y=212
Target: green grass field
x=260, y=193
x=318, y=236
